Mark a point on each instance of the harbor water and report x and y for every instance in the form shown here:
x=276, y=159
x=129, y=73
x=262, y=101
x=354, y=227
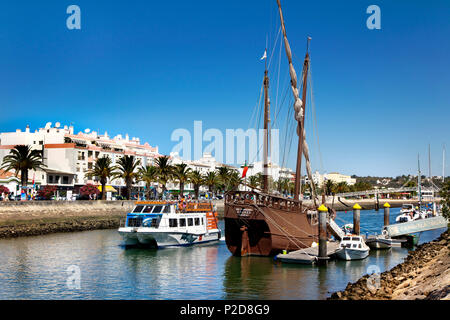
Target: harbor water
x=44, y=267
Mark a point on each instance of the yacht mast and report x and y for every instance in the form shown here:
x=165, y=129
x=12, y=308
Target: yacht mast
x=419, y=181
x=443, y=164
x=429, y=162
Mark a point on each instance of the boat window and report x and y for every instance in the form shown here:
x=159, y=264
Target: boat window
x=360, y=246
x=183, y=222
x=203, y=221
x=155, y=223
x=355, y=245
x=134, y=222
x=138, y=209
x=147, y=209
x=346, y=239
x=157, y=209
x=355, y=238
x=190, y=222
x=173, y=223
x=166, y=209
x=197, y=221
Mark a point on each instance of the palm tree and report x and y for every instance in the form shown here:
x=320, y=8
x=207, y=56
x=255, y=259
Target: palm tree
x=21, y=159
x=103, y=170
x=253, y=182
x=164, y=169
x=329, y=187
x=127, y=170
x=291, y=187
x=196, y=178
x=342, y=187
x=234, y=180
x=283, y=185
x=223, y=174
x=181, y=174
x=211, y=180
x=148, y=174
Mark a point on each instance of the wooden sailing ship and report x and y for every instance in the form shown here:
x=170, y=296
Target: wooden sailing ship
x=259, y=223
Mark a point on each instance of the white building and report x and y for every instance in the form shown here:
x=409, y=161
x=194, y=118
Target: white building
x=204, y=165
x=9, y=180
x=68, y=156
x=273, y=170
x=335, y=177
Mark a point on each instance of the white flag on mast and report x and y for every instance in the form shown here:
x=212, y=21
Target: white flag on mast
x=264, y=55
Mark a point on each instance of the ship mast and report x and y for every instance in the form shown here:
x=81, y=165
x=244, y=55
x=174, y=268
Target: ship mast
x=298, y=169
x=299, y=114
x=266, y=132
x=419, y=182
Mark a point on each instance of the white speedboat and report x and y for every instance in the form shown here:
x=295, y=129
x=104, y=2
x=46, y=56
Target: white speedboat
x=167, y=223
x=413, y=215
x=407, y=208
x=353, y=248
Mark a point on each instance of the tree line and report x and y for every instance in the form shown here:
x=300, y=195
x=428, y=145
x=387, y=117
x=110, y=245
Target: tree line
x=23, y=158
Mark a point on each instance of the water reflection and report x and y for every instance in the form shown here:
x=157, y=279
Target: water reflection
x=247, y=277
x=35, y=268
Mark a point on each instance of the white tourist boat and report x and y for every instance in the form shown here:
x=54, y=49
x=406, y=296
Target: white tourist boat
x=169, y=223
x=353, y=248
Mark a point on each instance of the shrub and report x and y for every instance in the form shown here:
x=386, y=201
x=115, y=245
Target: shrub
x=47, y=192
x=445, y=194
x=89, y=190
x=4, y=190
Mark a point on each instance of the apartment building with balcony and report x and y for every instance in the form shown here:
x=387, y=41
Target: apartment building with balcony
x=68, y=156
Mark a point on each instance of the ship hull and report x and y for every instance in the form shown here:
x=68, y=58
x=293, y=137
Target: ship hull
x=266, y=228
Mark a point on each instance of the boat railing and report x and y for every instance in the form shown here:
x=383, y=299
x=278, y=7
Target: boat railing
x=266, y=200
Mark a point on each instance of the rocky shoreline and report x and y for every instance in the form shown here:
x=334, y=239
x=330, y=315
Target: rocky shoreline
x=424, y=275
x=35, y=227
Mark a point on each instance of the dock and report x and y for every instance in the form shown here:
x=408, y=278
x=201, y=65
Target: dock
x=308, y=255
x=400, y=229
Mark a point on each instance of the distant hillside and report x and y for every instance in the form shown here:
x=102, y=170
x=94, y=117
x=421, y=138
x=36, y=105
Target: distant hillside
x=399, y=181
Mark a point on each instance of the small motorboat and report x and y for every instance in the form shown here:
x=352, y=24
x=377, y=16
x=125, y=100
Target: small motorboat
x=407, y=208
x=353, y=247
x=382, y=241
x=415, y=214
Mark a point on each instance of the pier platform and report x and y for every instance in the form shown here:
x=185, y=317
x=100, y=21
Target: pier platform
x=307, y=255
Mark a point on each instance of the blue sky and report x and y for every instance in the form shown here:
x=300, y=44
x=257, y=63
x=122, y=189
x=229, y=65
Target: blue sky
x=149, y=67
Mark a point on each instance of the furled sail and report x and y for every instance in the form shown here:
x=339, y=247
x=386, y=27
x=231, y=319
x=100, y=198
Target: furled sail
x=298, y=104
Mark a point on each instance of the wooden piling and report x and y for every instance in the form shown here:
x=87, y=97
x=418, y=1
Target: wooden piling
x=322, y=257
x=356, y=215
x=386, y=213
